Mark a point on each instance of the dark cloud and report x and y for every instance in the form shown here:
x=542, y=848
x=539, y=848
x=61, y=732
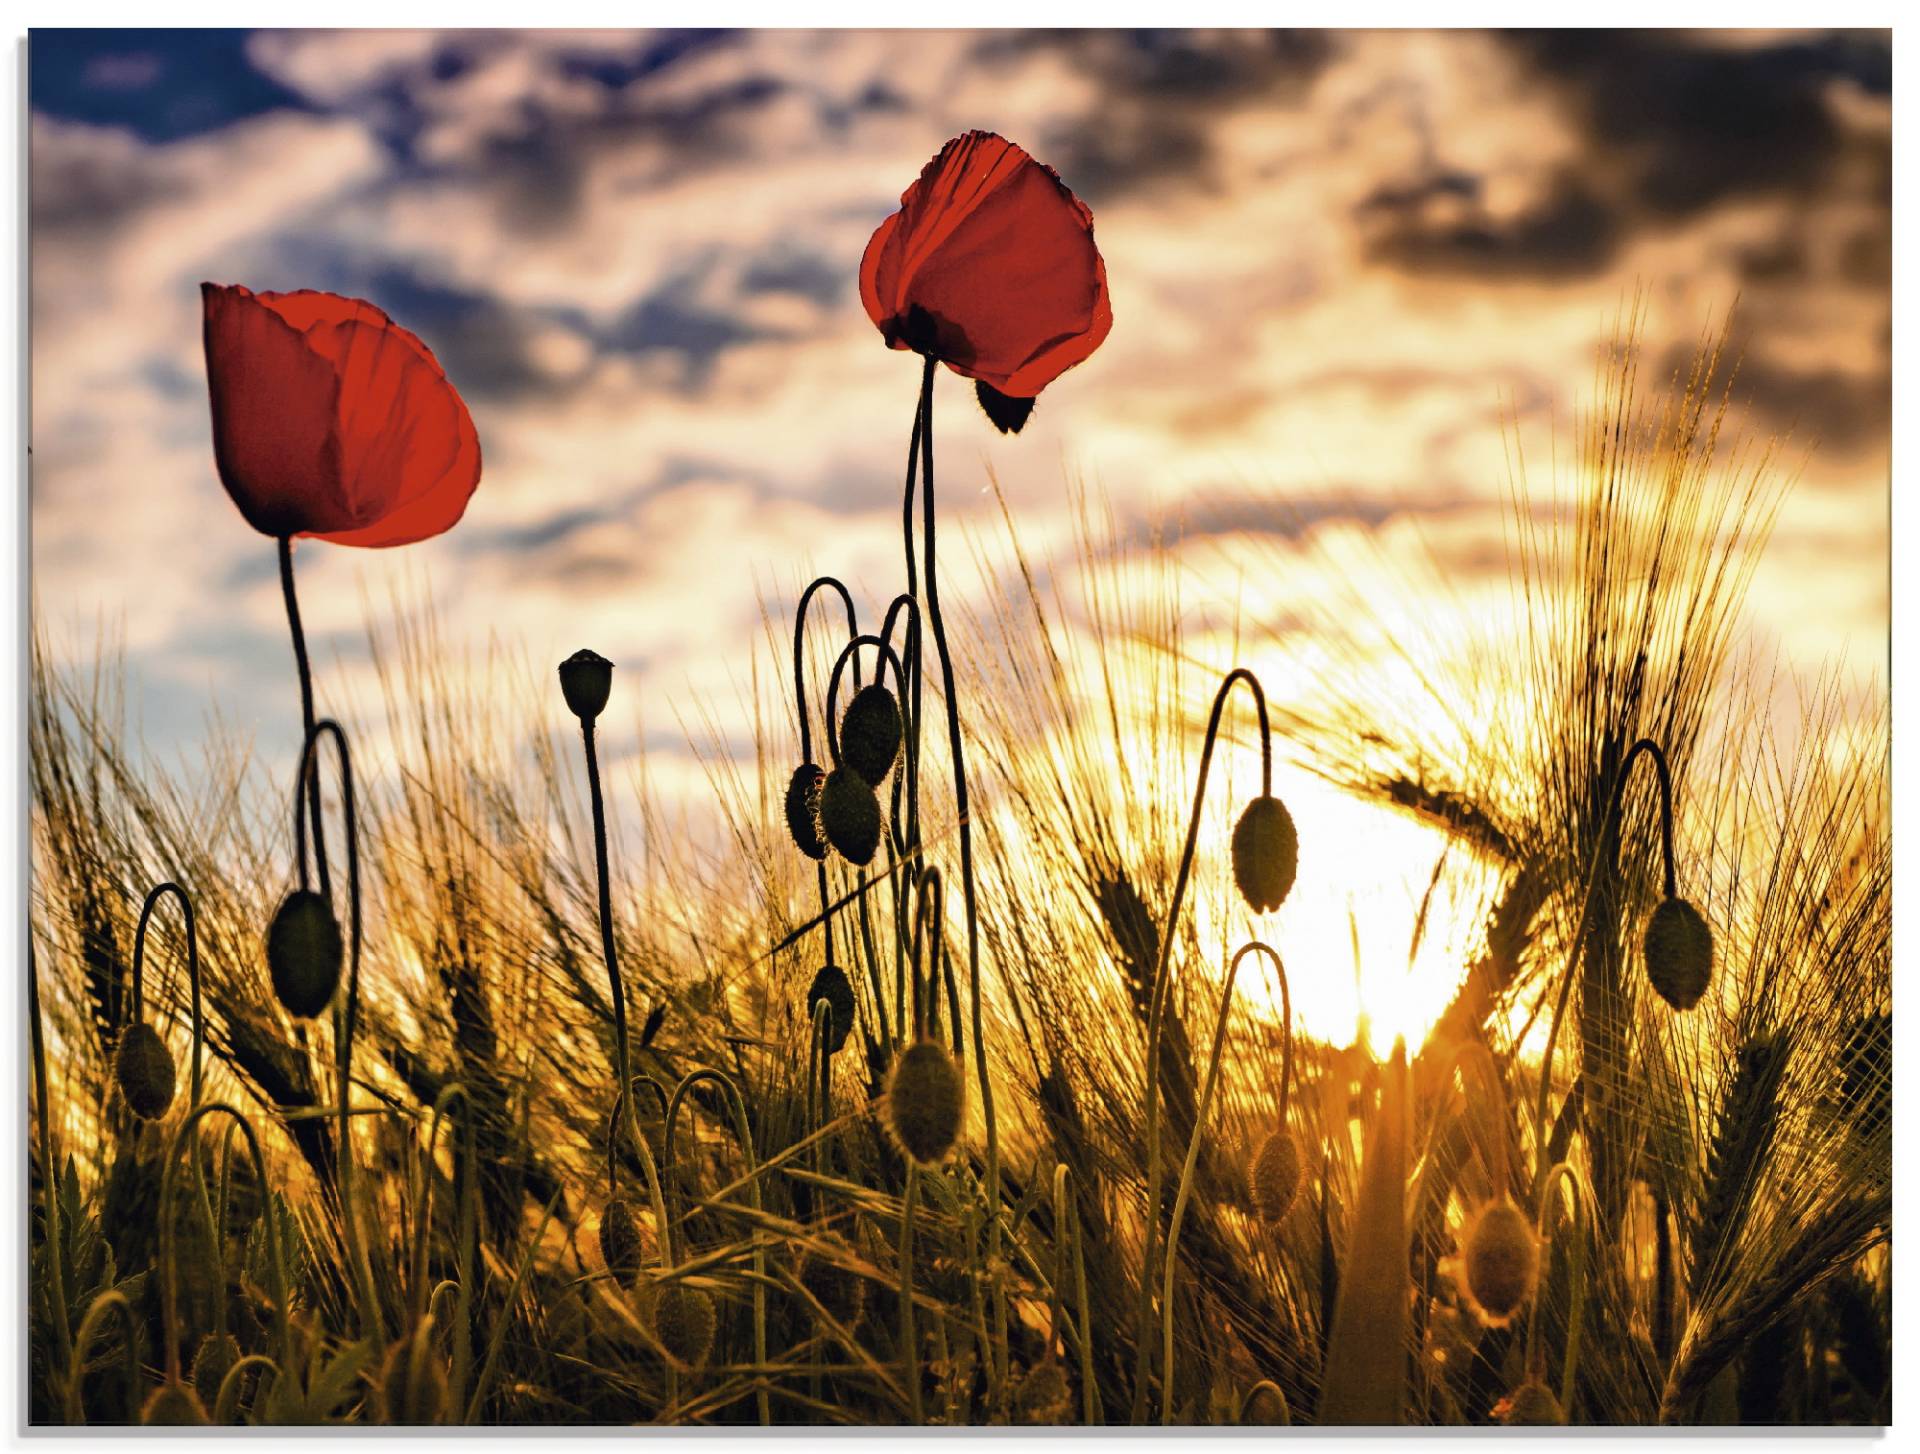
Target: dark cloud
x=1441, y=224
x=1836, y=410
x=160, y=84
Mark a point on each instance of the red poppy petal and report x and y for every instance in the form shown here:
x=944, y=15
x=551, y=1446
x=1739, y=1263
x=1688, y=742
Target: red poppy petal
x=880, y=276
x=273, y=415
x=435, y=510
x=305, y=308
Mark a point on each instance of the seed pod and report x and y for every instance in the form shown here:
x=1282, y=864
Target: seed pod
x=173, y=1405
x=586, y=680
x=211, y=1365
x=1044, y=1396
x=683, y=1322
x=803, y=810
x=1265, y=1406
x=304, y=952
x=1273, y=1180
x=1502, y=1261
x=850, y=814
x=870, y=733
x=842, y=1293
x=144, y=1070
x=1266, y=853
x=831, y=984
x=926, y=1101
x=1531, y=1404
x=1679, y=953
x=413, y=1391
x=621, y=1248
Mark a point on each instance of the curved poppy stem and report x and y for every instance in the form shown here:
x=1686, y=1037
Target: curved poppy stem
x=806, y=721
x=1607, y=825
x=1193, y=1150
x=1581, y=1197
x=154, y=896
x=851, y=652
x=743, y=1132
x=306, y=702
x=613, y=1123
x=1156, y=1009
x=346, y=1017
x=49, y=1173
x=84, y=1337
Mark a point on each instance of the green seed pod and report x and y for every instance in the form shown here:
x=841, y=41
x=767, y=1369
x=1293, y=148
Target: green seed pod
x=842, y=1293
x=870, y=733
x=173, y=1405
x=1530, y=1405
x=621, y=1246
x=413, y=1391
x=1266, y=1406
x=1502, y=1261
x=1044, y=1396
x=144, y=1070
x=586, y=680
x=1679, y=953
x=1274, y=1178
x=683, y=1322
x=1266, y=853
x=218, y=1353
x=831, y=984
x=803, y=810
x=304, y=952
x=926, y=1102
x=850, y=814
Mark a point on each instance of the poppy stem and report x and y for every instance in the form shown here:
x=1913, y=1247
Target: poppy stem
x=49, y=1173
x=969, y=895
x=306, y=703
x=806, y=723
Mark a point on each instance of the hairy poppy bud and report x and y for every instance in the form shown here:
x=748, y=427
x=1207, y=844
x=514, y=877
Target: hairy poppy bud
x=1273, y=1181
x=926, y=1101
x=413, y=1391
x=144, y=1070
x=1044, y=1396
x=683, y=1322
x=1502, y=1261
x=870, y=733
x=586, y=679
x=1265, y=1405
x=850, y=814
x=842, y=1293
x=620, y=1244
x=803, y=810
x=1532, y=1404
x=173, y=1405
x=211, y=1365
x=304, y=953
x=1266, y=852
x=1679, y=953
x=831, y=984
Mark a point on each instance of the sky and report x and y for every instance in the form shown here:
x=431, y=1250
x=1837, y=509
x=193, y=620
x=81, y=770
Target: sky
x=1346, y=269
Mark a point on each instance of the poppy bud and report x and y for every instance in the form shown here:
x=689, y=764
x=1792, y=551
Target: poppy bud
x=842, y=1293
x=831, y=984
x=620, y=1244
x=1266, y=852
x=850, y=814
x=1502, y=1261
x=683, y=1322
x=926, y=1100
x=410, y=1393
x=1531, y=1405
x=144, y=1070
x=173, y=1405
x=304, y=953
x=586, y=678
x=870, y=733
x=1043, y=1396
x=1273, y=1181
x=1266, y=1405
x=211, y=1365
x=803, y=810
x=1679, y=953
x=1008, y=413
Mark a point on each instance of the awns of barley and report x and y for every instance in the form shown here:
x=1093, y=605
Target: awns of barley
x=1736, y=1159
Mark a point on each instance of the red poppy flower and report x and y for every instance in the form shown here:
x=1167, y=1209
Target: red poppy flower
x=989, y=266
x=331, y=420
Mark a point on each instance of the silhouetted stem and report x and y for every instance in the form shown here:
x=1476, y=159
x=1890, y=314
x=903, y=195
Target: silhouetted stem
x=347, y=1016
x=193, y=969
x=1565, y=1171
x=1652, y=749
x=909, y=1341
x=1193, y=1150
x=1156, y=1008
x=110, y=1301
x=306, y=703
x=806, y=721
x=49, y=1173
